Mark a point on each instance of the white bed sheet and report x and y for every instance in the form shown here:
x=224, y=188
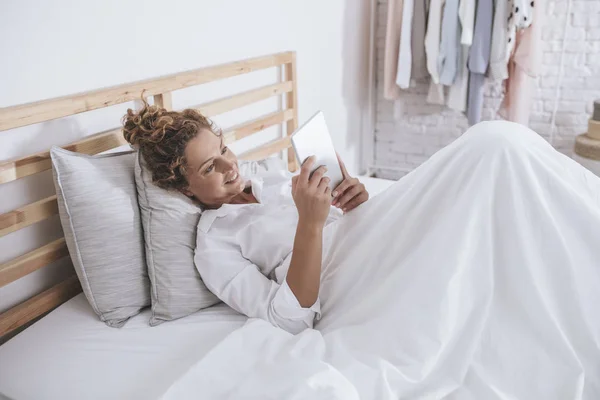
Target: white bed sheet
x=70, y=354
x=375, y=185
x=473, y=277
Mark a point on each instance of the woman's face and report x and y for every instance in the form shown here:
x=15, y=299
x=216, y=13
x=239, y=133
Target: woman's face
x=212, y=170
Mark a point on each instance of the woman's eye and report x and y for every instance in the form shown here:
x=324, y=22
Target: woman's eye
x=224, y=150
x=210, y=168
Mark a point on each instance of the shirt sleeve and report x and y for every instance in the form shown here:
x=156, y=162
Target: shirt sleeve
x=240, y=284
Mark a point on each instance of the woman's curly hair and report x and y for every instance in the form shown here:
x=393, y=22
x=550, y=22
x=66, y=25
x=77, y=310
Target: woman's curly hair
x=161, y=137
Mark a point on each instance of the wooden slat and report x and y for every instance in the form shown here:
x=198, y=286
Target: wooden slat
x=235, y=101
x=45, y=208
x=248, y=128
x=292, y=103
x=38, y=305
x=27, y=114
x=32, y=261
x=267, y=149
x=22, y=167
x=164, y=100
x=27, y=215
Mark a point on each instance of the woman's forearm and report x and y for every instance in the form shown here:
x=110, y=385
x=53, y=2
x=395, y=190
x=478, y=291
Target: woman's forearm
x=304, y=274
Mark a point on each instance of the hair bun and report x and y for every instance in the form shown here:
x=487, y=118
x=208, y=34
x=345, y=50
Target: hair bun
x=161, y=137
x=147, y=125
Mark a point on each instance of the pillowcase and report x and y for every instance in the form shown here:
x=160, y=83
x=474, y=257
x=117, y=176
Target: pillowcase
x=170, y=220
x=97, y=203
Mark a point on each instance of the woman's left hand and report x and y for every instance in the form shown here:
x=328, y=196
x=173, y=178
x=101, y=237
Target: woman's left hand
x=350, y=193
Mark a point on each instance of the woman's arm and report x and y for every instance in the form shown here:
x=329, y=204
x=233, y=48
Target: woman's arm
x=304, y=274
x=242, y=286
x=313, y=198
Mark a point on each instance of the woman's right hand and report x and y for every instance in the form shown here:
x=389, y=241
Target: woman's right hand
x=312, y=194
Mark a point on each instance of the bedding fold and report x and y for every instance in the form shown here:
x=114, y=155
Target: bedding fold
x=476, y=276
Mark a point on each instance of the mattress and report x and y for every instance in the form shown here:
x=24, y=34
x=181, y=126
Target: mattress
x=70, y=354
x=375, y=185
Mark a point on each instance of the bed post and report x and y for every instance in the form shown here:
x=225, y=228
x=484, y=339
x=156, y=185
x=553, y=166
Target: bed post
x=292, y=104
x=164, y=100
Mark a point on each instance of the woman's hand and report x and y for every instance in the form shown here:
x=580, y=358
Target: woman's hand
x=350, y=193
x=312, y=194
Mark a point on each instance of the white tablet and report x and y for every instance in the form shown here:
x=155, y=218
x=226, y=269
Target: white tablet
x=313, y=139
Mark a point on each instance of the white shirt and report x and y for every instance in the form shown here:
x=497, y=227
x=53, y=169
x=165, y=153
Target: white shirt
x=404, y=52
x=432, y=50
x=466, y=14
x=243, y=252
x=498, y=68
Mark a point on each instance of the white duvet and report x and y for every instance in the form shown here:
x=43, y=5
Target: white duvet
x=477, y=276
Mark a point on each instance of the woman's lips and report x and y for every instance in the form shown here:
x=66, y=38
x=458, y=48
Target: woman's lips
x=234, y=177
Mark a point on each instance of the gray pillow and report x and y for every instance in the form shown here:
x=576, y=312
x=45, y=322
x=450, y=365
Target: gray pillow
x=98, y=208
x=169, y=220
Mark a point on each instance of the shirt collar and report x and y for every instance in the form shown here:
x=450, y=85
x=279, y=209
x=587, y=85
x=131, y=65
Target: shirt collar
x=209, y=216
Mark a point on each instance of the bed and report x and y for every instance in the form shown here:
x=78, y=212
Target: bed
x=70, y=345
x=68, y=352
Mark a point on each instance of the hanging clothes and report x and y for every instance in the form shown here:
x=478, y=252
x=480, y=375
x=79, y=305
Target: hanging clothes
x=457, y=96
x=417, y=40
x=432, y=50
x=524, y=67
x=459, y=91
x=392, y=42
x=404, y=52
x=479, y=57
x=519, y=18
x=498, y=67
x=450, y=43
x=466, y=14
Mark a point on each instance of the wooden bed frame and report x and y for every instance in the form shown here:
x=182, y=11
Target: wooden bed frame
x=161, y=89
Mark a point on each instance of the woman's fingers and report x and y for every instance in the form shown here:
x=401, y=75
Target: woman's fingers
x=323, y=185
x=356, y=201
x=341, y=188
x=316, y=177
x=349, y=195
x=342, y=166
x=305, y=169
x=294, y=184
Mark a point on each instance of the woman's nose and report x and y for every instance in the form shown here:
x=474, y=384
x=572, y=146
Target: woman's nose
x=225, y=164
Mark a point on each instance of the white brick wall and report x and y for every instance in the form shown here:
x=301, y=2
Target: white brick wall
x=423, y=129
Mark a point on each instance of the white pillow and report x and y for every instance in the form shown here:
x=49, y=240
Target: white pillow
x=169, y=220
x=98, y=208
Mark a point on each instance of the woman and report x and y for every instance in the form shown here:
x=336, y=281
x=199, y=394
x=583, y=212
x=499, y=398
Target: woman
x=264, y=261
x=475, y=276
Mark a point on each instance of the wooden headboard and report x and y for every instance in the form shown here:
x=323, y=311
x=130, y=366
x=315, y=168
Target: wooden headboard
x=161, y=90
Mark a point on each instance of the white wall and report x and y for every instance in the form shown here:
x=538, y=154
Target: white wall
x=423, y=129
x=60, y=47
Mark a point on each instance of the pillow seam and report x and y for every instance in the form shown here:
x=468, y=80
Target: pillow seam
x=75, y=243
x=151, y=263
